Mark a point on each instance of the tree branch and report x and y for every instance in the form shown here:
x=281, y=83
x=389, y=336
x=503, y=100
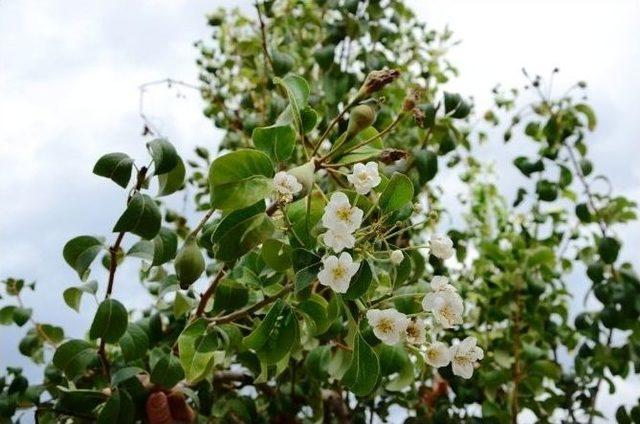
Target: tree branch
x=249, y=310
x=204, y=299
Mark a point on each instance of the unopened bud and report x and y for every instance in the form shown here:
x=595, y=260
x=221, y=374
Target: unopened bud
x=305, y=176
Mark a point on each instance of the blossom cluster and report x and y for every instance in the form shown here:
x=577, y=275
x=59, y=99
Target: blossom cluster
x=342, y=220
x=443, y=301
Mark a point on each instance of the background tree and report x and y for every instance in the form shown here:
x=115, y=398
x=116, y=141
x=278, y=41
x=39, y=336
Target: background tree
x=273, y=317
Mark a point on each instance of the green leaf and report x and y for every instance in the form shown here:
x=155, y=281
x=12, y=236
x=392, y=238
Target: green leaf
x=316, y=309
x=118, y=409
x=283, y=335
x=6, y=315
x=426, y=164
x=528, y=167
x=259, y=336
x=134, y=343
x=547, y=190
x=116, y=166
x=73, y=295
x=363, y=152
x=278, y=141
x=394, y=359
x=164, y=155
x=167, y=371
x=110, y=321
x=21, y=315
x=143, y=249
x=79, y=401
x=608, y=249
x=80, y=251
x=297, y=90
x=317, y=362
x=172, y=181
x=165, y=246
x=309, y=119
x=455, y=106
x=541, y=256
x=50, y=333
x=364, y=369
x=397, y=193
x=547, y=369
x=277, y=255
x=360, y=282
x=306, y=264
x=230, y=296
x=588, y=113
x=303, y=221
x=240, y=179
x=195, y=357
x=124, y=374
x=73, y=357
x=182, y=304
x=142, y=217
x=240, y=231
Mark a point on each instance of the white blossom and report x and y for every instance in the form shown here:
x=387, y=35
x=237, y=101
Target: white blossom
x=364, y=177
x=441, y=283
x=337, y=272
x=396, y=257
x=441, y=247
x=286, y=186
x=416, y=332
x=389, y=325
x=504, y=244
x=339, y=240
x=340, y=216
x=446, y=306
x=438, y=355
x=464, y=357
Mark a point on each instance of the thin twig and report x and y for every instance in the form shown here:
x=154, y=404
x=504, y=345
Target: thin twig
x=331, y=125
x=263, y=36
x=204, y=299
x=249, y=310
x=169, y=82
x=113, y=265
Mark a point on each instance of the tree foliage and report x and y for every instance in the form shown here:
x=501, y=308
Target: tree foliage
x=330, y=293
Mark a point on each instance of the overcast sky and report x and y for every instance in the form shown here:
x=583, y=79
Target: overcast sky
x=69, y=72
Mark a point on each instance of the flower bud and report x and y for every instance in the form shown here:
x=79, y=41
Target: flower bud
x=189, y=263
x=361, y=117
x=305, y=176
x=376, y=80
x=411, y=99
x=396, y=257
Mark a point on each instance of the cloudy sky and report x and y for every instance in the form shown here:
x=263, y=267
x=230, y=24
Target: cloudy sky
x=69, y=77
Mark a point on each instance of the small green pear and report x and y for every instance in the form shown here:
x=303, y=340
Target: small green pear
x=361, y=117
x=189, y=263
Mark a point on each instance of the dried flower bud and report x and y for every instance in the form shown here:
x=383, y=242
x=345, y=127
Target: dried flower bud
x=419, y=116
x=411, y=99
x=376, y=80
x=389, y=156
